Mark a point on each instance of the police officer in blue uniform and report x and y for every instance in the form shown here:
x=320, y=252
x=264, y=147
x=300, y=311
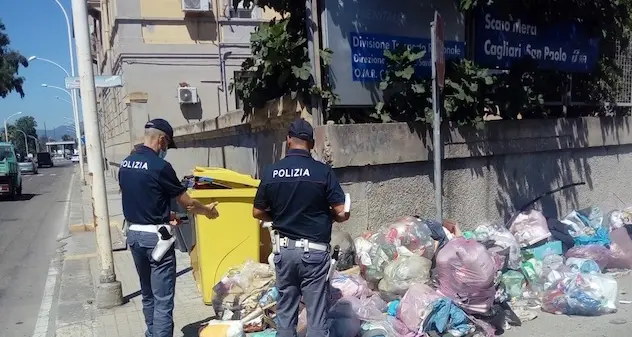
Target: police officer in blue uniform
x=302, y=197
x=148, y=184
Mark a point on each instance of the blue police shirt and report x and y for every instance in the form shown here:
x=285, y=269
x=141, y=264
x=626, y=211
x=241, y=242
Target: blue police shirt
x=298, y=191
x=148, y=183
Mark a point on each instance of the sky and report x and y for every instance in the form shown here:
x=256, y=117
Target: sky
x=38, y=28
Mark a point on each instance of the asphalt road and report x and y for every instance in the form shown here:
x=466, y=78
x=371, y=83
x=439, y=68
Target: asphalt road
x=29, y=228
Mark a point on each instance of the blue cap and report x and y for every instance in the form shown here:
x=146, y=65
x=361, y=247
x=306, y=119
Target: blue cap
x=301, y=129
x=164, y=126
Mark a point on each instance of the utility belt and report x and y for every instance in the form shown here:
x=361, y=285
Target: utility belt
x=147, y=228
x=278, y=241
x=166, y=239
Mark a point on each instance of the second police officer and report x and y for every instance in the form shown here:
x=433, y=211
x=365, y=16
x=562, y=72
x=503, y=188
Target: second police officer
x=148, y=184
x=301, y=197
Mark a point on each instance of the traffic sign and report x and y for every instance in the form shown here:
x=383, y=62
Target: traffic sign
x=99, y=82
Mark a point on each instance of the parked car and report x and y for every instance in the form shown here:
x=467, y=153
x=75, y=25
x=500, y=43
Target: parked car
x=10, y=175
x=44, y=159
x=28, y=166
x=75, y=158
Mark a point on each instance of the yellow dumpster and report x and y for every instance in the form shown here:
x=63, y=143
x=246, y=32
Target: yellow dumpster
x=231, y=239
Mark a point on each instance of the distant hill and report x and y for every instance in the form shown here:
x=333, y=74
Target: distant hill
x=55, y=133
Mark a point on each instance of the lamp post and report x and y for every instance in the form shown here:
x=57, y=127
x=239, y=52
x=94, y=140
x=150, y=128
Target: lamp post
x=63, y=99
x=6, y=130
x=26, y=142
x=76, y=120
x=71, y=55
x=36, y=142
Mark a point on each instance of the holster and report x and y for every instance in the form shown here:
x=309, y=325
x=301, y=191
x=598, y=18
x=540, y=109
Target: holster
x=274, y=237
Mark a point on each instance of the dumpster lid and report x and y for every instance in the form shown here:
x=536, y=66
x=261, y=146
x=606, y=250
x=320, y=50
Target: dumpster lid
x=224, y=175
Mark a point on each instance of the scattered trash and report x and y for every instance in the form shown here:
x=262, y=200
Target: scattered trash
x=222, y=329
x=346, y=257
x=582, y=294
x=417, y=277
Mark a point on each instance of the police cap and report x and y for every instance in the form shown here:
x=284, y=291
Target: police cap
x=164, y=126
x=301, y=129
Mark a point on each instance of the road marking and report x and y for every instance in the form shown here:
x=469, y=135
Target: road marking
x=29, y=179
x=43, y=317
x=40, y=175
x=53, y=174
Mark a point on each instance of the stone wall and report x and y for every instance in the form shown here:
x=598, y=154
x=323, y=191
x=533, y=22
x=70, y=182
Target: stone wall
x=388, y=169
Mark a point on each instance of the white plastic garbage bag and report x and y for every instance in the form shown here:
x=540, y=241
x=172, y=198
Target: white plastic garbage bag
x=400, y=274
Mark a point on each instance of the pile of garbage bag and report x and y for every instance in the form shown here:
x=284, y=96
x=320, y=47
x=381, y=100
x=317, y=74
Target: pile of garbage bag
x=416, y=277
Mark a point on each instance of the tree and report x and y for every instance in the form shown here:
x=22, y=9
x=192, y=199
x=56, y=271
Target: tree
x=10, y=61
x=67, y=138
x=26, y=124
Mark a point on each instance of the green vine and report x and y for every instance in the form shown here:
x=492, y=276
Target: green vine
x=469, y=90
x=280, y=64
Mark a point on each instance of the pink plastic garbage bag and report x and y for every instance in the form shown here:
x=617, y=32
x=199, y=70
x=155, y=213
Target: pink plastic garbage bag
x=621, y=249
x=597, y=253
x=350, y=285
x=466, y=272
x=415, y=305
x=368, y=308
x=529, y=228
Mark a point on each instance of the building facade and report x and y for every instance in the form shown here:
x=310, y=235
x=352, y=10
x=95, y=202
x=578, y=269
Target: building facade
x=159, y=46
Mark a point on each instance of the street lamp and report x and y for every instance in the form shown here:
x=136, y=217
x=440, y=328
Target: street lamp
x=32, y=58
x=6, y=130
x=58, y=88
x=69, y=30
x=63, y=99
x=26, y=142
x=73, y=95
x=76, y=122
x=36, y=142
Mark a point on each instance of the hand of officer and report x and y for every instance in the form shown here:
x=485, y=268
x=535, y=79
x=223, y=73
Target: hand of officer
x=212, y=212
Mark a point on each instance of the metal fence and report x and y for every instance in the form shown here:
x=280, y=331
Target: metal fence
x=622, y=96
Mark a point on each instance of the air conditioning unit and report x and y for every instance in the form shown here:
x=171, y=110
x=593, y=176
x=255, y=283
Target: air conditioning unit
x=188, y=95
x=196, y=5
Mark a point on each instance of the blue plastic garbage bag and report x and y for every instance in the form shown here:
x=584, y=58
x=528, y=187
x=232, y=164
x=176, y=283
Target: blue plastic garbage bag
x=445, y=316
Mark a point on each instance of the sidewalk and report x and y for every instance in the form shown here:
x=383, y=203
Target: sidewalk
x=77, y=315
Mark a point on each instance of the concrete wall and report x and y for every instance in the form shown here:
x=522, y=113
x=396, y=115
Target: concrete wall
x=488, y=173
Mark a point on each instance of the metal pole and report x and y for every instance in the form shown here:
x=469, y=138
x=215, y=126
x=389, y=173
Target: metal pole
x=109, y=292
x=75, y=108
x=26, y=142
x=6, y=132
x=436, y=133
x=313, y=46
x=36, y=143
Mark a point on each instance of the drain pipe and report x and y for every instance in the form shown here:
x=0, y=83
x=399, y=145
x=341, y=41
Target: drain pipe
x=224, y=77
